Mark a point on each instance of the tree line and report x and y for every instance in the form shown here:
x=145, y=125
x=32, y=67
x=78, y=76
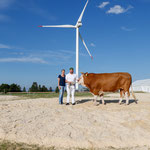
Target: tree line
x=17, y=88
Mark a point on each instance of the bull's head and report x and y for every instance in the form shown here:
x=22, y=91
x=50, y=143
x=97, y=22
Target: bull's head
x=82, y=78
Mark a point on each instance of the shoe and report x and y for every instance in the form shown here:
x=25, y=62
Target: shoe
x=73, y=104
x=67, y=103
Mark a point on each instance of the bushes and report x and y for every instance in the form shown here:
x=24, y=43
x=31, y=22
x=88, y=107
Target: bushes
x=10, y=88
x=4, y=88
x=37, y=88
x=57, y=90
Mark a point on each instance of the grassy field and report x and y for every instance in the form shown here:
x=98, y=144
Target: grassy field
x=46, y=95
x=6, y=145
x=51, y=95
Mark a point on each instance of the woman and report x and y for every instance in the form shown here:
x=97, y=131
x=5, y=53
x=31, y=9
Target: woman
x=61, y=85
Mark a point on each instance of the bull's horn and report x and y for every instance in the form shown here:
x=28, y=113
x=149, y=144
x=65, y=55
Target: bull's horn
x=82, y=72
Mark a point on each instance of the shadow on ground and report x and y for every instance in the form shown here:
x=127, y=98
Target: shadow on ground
x=107, y=101
x=83, y=101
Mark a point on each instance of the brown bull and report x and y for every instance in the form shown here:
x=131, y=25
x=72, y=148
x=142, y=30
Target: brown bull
x=108, y=82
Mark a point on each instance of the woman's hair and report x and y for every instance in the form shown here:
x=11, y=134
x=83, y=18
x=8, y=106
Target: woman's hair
x=62, y=70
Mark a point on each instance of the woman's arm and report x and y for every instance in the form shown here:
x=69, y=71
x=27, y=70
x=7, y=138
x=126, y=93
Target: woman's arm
x=58, y=83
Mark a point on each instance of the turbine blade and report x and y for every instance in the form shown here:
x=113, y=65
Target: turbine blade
x=85, y=46
x=80, y=18
x=58, y=26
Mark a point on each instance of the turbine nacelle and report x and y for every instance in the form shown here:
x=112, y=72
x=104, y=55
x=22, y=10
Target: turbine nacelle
x=79, y=24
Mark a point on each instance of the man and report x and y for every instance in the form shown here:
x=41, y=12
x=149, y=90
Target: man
x=71, y=79
x=61, y=85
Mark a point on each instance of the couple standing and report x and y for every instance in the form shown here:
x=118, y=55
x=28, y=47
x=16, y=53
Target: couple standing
x=69, y=79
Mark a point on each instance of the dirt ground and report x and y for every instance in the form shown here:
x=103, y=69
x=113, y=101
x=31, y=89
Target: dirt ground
x=44, y=122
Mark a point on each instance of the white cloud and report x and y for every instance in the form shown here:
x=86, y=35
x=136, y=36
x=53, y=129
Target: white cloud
x=50, y=57
x=117, y=9
x=4, y=18
x=33, y=56
x=127, y=29
x=71, y=53
x=36, y=9
x=93, y=45
x=43, y=13
x=103, y=4
x=5, y=46
x=5, y=3
x=24, y=60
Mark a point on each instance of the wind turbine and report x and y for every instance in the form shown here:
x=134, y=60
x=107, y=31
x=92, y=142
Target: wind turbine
x=77, y=26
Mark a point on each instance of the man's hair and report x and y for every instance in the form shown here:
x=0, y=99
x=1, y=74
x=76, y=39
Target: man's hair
x=62, y=70
x=71, y=68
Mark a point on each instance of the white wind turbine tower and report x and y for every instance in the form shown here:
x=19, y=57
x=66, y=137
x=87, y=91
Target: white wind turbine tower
x=77, y=26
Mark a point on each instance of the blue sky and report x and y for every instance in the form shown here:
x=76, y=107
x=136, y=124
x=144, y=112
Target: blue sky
x=116, y=32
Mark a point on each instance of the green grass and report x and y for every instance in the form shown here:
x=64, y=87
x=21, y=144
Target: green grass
x=6, y=145
x=51, y=95
x=139, y=92
x=47, y=95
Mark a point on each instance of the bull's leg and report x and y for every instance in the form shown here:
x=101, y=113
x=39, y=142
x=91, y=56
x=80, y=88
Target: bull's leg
x=101, y=94
x=127, y=98
x=102, y=98
x=121, y=96
x=95, y=100
x=120, y=101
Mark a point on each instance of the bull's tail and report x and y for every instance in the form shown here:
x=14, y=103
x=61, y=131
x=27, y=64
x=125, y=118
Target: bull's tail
x=133, y=94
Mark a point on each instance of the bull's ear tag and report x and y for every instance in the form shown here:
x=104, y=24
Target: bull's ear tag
x=86, y=74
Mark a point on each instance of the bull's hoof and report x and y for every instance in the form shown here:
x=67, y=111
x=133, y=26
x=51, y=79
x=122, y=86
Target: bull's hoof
x=119, y=103
x=96, y=104
x=136, y=101
x=127, y=104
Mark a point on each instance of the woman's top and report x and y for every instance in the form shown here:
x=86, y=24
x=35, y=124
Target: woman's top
x=62, y=80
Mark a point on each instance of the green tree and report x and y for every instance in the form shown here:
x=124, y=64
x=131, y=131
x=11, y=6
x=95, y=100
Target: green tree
x=40, y=89
x=44, y=89
x=4, y=88
x=24, y=89
x=14, y=88
x=50, y=89
x=57, y=90
x=34, y=87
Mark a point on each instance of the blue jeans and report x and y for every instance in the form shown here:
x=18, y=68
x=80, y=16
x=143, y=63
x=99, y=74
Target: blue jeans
x=61, y=93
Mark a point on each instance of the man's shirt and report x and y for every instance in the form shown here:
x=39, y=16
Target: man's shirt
x=71, y=78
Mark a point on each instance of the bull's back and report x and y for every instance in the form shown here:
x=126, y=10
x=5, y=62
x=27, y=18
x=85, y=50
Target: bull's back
x=110, y=82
